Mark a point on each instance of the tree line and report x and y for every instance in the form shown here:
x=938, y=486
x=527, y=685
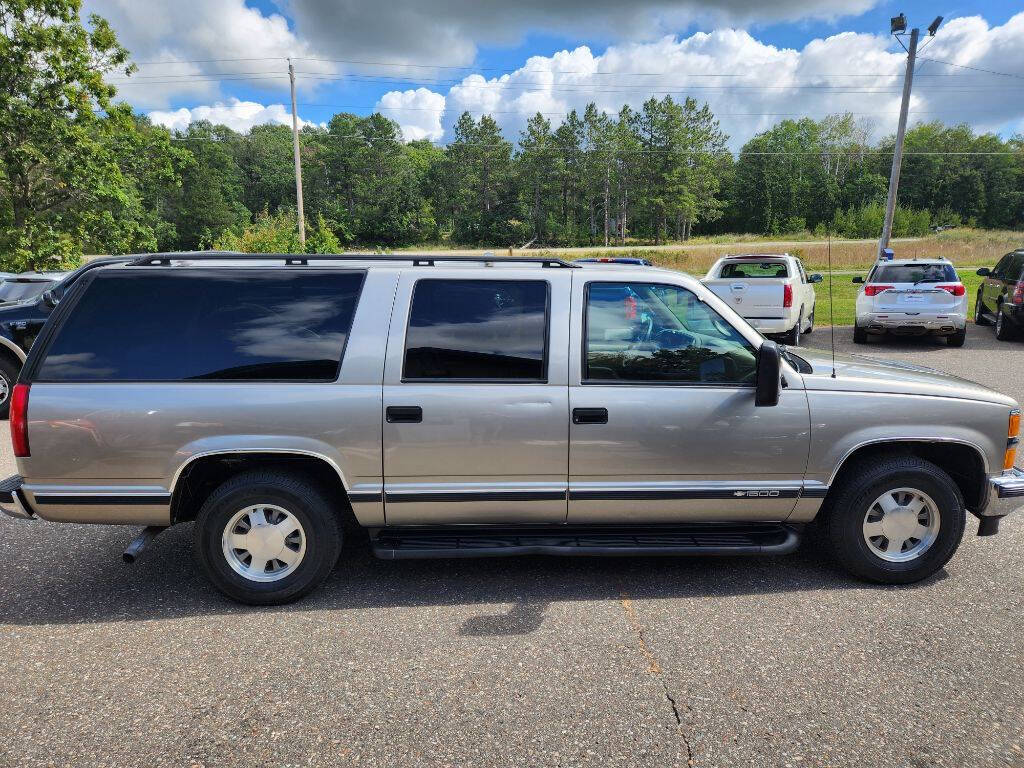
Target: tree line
x=80, y=173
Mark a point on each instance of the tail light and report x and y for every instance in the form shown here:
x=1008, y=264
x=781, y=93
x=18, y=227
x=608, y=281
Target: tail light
x=787, y=295
x=956, y=290
x=874, y=290
x=19, y=420
x=1018, y=293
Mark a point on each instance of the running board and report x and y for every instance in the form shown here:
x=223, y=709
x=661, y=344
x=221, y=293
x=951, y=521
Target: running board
x=411, y=542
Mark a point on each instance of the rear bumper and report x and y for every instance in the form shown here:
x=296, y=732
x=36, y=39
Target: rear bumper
x=911, y=324
x=772, y=324
x=1005, y=494
x=12, y=500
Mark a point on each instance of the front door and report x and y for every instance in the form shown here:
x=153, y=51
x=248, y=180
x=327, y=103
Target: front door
x=476, y=397
x=663, y=425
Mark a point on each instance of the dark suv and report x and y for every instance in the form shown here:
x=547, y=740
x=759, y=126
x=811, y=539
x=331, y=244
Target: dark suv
x=21, y=321
x=1001, y=296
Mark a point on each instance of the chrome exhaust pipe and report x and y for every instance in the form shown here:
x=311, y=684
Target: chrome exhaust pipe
x=140, y=542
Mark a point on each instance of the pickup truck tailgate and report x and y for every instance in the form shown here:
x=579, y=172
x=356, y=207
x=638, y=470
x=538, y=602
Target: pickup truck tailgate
x=760, y=297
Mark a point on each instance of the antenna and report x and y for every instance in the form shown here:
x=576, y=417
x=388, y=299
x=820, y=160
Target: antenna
x=831, y=305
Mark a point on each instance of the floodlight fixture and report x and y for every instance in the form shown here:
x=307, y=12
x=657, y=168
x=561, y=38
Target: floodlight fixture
x=898, y=24
x=934, y=26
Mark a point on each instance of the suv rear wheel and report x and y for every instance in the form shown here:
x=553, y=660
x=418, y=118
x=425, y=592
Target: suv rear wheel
x=1003, y=330
x=267, y=538
x=957, y=338
x=8, y=377
x=895, y=520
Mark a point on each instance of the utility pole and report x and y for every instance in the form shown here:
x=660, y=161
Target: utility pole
x=898, y=24
x=298, y=161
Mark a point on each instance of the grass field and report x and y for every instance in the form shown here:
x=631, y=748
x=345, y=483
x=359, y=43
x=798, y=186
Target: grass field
x=963, y=247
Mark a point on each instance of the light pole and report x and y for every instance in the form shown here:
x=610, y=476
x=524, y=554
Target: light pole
x=898, y=26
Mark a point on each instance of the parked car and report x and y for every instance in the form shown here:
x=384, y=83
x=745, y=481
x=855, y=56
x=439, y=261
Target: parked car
x=616, y=260
x=459, y=408
x=771, y=292
x=1001, y=296
x=912, y=297
x=27, y=286
x=21, y=321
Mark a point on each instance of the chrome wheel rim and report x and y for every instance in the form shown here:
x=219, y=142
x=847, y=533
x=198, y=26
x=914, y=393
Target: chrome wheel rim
x=901, y=524
x=264, y=542
x=999, y=322
x=977, y=309
x=5, y=390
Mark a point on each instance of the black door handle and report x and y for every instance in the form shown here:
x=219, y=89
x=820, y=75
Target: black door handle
x=589, y=415
x=403, y=414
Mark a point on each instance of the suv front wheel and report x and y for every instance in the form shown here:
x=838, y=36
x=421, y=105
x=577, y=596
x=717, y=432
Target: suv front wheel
x=895, y=520
x=267, y=538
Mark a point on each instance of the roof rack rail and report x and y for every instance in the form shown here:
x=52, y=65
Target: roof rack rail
x=303, y=259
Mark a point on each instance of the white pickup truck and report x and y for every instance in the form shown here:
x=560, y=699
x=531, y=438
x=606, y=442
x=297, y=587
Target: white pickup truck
x=771, y=292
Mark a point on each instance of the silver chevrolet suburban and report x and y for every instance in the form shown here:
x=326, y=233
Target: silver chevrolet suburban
x=479, y=407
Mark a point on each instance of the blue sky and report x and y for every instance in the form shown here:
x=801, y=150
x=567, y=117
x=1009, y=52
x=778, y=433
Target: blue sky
x=753, y=62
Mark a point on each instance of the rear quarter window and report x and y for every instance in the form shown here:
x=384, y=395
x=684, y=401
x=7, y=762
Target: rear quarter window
x=237, y=325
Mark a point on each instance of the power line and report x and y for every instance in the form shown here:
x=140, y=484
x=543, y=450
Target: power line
x=973, y=69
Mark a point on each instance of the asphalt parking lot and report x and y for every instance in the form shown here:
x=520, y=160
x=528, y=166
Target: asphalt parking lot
x=724, y=662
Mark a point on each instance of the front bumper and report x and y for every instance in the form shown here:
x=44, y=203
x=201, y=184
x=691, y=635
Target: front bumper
x=1005, y=494
x=911, y=323
x=12, y=499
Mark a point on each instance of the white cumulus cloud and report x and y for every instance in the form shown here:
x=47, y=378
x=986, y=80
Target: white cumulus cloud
x=193, y=48
x=751, y=85
x=418, y=112
x=237, y=115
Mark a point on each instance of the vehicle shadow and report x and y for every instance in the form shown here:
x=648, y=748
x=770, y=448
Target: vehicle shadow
x=978, y=339
x=81, y=579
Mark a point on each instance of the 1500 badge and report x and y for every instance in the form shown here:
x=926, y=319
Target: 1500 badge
x=755, y=493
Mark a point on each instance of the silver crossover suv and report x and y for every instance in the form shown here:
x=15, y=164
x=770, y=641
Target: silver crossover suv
x=466, y=407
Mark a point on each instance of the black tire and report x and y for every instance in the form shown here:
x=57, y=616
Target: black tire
x=294, y=493
x=1004, y=331
x=810, y=324
x=957, y=339
x=9, y=374
x=979, y=311
x=848, y=504
x=792, y=337
x=860, y=336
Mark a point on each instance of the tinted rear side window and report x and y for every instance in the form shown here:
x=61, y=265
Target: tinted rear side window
x=489, y=330
x=242, y=325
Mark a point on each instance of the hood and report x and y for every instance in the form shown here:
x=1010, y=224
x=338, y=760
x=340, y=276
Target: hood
x=861, y=373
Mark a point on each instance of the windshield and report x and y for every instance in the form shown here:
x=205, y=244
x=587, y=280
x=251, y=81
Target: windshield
x=755, y=269
x=915, y=273
x=19, y=290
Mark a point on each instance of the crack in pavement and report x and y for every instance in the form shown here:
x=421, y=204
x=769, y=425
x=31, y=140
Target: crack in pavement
x=655, y=669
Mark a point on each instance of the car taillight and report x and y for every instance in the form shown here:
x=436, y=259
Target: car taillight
x=956, y=290
x=19, y=420
x=787, y=295
x=874, y=290
x=1018, y=293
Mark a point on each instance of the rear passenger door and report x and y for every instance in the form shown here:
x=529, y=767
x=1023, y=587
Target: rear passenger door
x=476, y=397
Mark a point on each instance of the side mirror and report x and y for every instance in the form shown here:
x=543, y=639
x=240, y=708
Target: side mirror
x=815, y=278
x=858, y=279
x=769, y=374
x=49, y=299
x=984, y=272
